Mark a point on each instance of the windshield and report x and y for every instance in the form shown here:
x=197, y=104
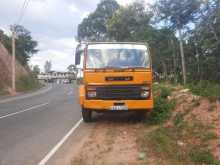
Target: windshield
x=117, y=56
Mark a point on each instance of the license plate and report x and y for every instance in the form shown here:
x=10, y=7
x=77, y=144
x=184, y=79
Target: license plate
x=118, y=108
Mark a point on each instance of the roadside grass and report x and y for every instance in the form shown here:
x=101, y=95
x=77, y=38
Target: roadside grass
x=201, y=155
x=26, y=83
x=162, y=106
x=78, y=162
x=182, y=143
x=3, y=92
x=205, y=89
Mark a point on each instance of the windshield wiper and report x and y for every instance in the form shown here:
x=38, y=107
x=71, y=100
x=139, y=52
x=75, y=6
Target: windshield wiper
x=107, y=67
x=112, y=67
x=135, y=67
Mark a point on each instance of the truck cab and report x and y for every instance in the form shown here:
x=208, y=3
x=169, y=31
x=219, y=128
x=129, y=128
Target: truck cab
x=117, y=76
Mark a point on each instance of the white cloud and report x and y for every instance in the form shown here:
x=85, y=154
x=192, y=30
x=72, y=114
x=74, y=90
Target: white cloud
x=73, y=8
x=59, y=52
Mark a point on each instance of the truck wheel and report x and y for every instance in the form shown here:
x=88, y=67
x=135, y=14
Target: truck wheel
x=87, y=115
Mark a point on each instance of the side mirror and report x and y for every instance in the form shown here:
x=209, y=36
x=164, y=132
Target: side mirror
x=78, y=57
x=78, y=54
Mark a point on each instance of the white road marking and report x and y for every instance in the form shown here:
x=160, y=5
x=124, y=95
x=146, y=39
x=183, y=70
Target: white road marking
x=25, y=110
x=59, y=144
x=26, y=95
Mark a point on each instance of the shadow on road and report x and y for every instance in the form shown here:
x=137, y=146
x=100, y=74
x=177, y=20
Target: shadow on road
x=117, y=117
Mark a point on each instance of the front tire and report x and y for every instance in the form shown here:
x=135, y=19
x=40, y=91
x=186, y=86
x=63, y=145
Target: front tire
x=87, y=115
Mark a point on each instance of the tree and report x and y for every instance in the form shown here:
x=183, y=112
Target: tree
x=25, y=45
x=129, y=23
x=36, y=70
x=71, y=68
x=203, y=45
x=163, y=47
x=93, y=28
x=178, y=13
x=47, y=66
x=132, y=23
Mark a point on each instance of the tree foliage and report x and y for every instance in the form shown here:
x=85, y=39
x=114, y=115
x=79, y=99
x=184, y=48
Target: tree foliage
x=72, y=68
x=47, y=66
x=25, y=45
x=177, y=13
x=93, y=28
x=36, y=70
x=129, y=23
x=198, y=22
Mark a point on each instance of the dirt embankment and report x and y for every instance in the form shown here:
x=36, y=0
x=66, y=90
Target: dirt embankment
x=205, y=111
x=119, y=140
x=5, y=68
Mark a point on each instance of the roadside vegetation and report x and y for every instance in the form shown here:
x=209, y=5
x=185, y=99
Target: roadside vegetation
x=3, y=92
x=177, y=137
x=27, y=83
x=25, y=48
x=162, y=106
x=206, y=89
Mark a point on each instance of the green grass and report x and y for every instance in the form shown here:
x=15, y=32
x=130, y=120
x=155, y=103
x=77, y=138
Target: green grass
x=26, y=83
x=3, y=92
x=163, y=142
x=206, y=89
x=162, y=110
x=162, y=106
x=202, y=156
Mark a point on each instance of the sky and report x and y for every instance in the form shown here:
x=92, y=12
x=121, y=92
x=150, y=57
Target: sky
x=53, y=24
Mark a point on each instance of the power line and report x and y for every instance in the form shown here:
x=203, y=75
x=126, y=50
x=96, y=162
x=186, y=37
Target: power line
x=22, y=11
x=13, y=63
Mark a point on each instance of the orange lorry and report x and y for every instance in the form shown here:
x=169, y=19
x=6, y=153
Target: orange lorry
x=117, y=76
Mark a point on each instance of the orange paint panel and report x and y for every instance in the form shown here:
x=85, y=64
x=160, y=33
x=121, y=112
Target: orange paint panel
x=98, y=77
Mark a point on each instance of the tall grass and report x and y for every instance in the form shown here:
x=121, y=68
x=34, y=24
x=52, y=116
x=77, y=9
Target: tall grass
x=26, y=83
x=206, y=89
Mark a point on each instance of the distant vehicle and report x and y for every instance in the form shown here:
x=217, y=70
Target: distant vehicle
x=117, y=77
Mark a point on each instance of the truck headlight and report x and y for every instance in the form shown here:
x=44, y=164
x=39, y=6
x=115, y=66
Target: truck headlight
x=145, y=88
x=91, y=94
x=145, y=94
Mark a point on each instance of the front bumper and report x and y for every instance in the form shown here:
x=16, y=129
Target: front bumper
x=107, y=104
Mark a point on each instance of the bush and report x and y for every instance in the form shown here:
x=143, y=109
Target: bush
x=162, y=110
x=165, y=92
x=162, y=106
x=25, y=83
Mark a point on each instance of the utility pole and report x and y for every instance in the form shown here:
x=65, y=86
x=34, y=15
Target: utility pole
x=13, y=63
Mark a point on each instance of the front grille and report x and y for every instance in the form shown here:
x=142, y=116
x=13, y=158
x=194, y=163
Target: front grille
x=126, y=92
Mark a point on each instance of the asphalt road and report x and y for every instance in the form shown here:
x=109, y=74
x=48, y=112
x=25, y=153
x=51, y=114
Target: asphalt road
x=31, y=126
